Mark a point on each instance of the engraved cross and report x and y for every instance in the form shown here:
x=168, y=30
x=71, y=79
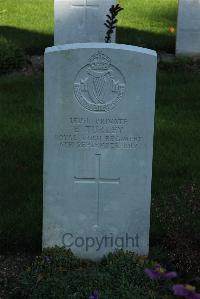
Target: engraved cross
x=85, y=4
x=98, y=180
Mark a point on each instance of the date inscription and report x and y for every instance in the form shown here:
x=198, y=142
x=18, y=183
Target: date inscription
x=100, y=133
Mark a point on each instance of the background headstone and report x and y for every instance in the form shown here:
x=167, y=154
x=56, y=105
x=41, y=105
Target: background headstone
x=188, y=28
x=99, y=123
x=80, y=20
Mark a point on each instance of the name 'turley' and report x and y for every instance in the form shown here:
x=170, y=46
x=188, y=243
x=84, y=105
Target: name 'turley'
x=104, y=129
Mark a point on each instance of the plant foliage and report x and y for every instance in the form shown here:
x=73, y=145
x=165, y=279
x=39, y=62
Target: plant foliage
x=112, y=21
x=11, y=57
x=57, y=273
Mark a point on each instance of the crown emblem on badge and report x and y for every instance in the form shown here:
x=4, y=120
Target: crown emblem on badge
x=99, y=86
x=99, y=61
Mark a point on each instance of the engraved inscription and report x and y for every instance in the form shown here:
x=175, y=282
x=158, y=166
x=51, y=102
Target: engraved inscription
x=98, y=180
x=99, y=86
x=98, y=133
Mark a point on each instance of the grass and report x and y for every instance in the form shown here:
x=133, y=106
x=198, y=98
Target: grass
x=176, y=156
x=28, y=23
x=176, y=150
x=146, y=23
x=21, y=163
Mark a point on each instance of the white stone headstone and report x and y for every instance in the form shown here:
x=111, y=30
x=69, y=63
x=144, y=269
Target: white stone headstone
x=188, y=27
x=80, y=21
x=98, y=146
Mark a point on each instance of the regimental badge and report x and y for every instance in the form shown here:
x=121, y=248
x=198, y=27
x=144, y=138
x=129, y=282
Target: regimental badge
x=99, y=86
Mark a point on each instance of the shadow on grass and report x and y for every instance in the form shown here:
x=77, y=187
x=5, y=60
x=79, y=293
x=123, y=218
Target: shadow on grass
x=35, y=42
x=156, y=41
x=21, y=189
x=32, y=42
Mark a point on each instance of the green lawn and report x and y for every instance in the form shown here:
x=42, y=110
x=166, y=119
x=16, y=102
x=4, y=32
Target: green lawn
x=176, y=157
x=29, y=24
x=21, y=160
x=176, y=150
x=146, y=23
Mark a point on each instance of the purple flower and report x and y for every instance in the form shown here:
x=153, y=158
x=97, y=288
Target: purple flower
x=94, y=295
x=159, y=273
x=186, y=291
x=47, y=259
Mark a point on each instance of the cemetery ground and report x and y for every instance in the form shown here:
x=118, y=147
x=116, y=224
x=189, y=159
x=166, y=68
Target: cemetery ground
x=175, y=221
x=28, y=24
x=175, y=195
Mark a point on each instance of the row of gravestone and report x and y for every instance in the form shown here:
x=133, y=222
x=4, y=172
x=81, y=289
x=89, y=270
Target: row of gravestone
x=98, y=139
x=74, y=22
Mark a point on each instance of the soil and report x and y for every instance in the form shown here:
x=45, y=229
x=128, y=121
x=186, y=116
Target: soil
x=10, y=268
x=35, y=64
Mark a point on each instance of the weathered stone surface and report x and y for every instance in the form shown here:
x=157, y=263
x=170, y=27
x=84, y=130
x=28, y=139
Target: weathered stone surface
x=99, y=123
x=80, y=20
x=188, y=28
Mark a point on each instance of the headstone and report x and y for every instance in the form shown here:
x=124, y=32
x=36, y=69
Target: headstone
x=99, y=124
x=188, y=28
x=80, y=20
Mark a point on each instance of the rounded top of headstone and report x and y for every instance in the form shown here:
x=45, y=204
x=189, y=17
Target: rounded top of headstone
x=100, y=46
